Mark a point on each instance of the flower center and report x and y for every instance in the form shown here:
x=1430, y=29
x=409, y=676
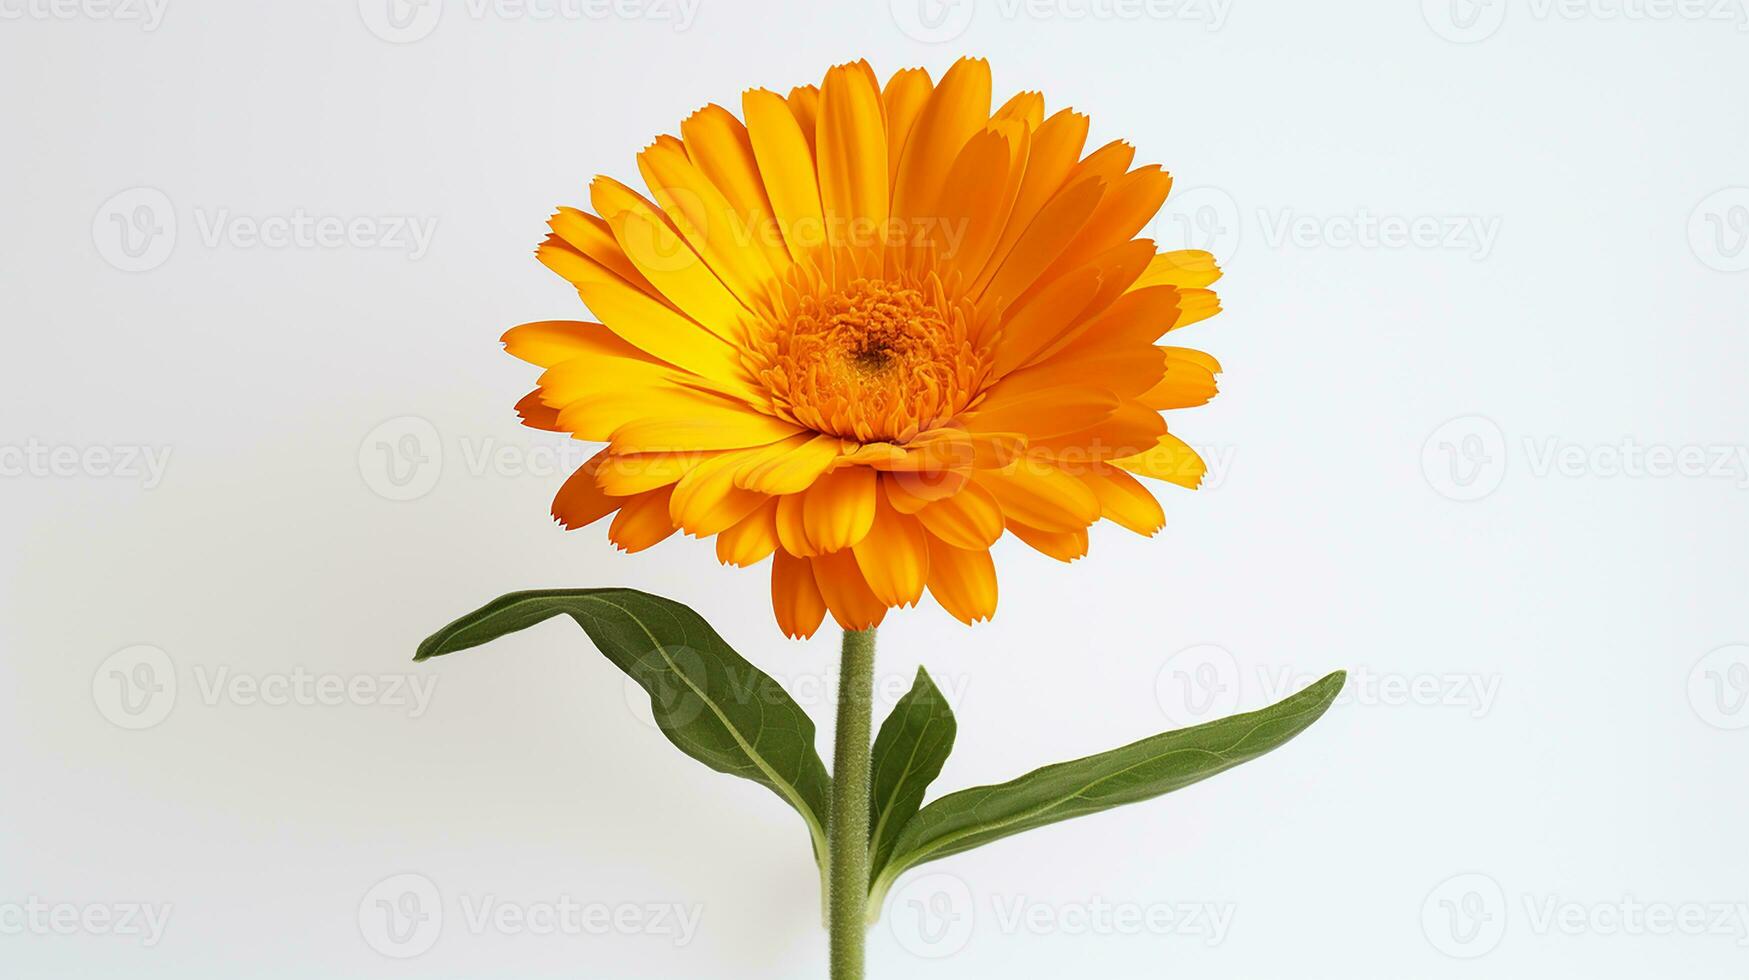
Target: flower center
x=876, y=360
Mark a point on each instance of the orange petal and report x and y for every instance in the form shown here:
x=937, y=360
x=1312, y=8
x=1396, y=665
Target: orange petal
x=1061, y=545
x=751, y=539
x=964, y=582
x=579, y=501
x=1036, y=493
x=893, y=556
x=642, y=521
x=853, y=604
x=795, y=597
x=790, y=531
x=970, y=519
x=839, y=509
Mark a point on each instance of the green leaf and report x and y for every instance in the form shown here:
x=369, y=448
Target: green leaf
x=913, y=743
x=710, y=702
x=1138, y=771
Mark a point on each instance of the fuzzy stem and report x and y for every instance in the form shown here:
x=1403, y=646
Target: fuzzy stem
x=847, y=825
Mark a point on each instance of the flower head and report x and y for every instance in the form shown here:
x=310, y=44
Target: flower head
x=863, y=331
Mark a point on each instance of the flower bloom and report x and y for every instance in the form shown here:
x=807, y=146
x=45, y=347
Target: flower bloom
x=863, y=331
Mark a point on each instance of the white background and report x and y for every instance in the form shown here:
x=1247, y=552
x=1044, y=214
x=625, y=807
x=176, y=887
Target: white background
x=1538, y=732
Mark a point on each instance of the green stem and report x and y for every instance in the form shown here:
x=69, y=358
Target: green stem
x=847, y=826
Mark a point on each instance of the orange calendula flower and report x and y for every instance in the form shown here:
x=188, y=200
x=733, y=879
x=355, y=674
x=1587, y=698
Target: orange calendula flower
x=862, y=331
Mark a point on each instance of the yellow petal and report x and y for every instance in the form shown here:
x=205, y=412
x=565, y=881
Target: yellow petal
x=706, y=220
x=708, y=424
x=706, y=500
x=622, y=475
x=670, y=264
x=1189, y=380
x=1170, y=459
x=1123, y=499
x=786, y=165
x=546, y=343
x=791, y=466
x=718, y=144
x=1185, y=269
